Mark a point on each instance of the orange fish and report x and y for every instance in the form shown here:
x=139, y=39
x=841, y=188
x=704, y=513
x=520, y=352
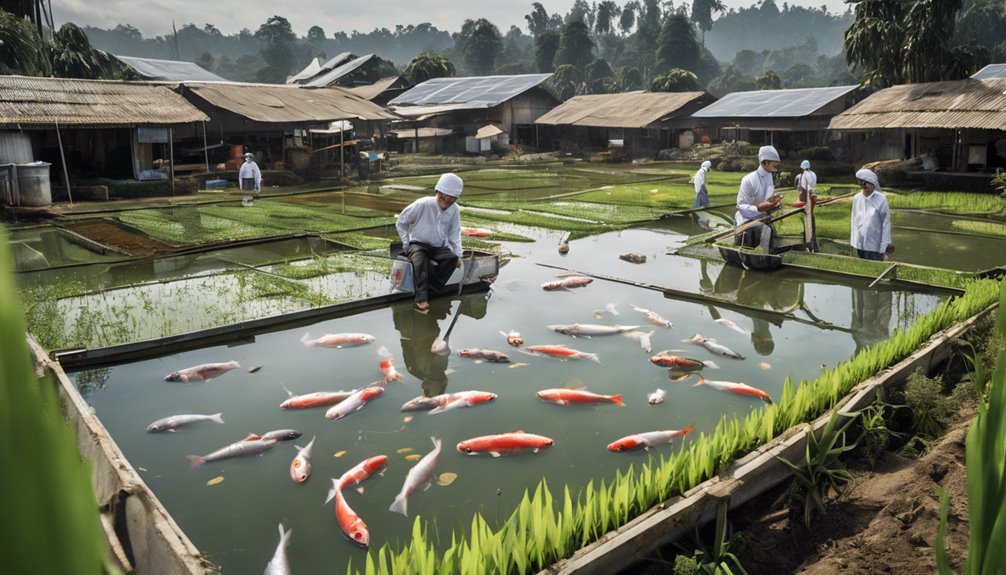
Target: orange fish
x=359, y=472
x=387, y=366
x=562, y=352
x=738, y=388
x=355, y=402
x=677, y=362
x=316, y=399
x=648, y=439
x=350, y=523
x=337, y=340
x=578, y=397
x=513, y=338
x=505, y=443
x=476, y=232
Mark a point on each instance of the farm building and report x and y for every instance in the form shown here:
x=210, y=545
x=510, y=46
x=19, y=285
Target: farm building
x=639, y=122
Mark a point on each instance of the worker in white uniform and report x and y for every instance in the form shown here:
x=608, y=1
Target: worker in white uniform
x=250, y=177
x=701, y=192
x=806, y=181
x=756, y=199
x=871, y=219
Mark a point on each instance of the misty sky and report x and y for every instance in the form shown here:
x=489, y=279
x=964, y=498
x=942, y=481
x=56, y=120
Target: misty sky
x=154, y=17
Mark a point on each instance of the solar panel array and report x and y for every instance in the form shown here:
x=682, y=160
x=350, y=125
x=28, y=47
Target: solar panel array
x=773, y=103
x=482, y=91
x=990, y=71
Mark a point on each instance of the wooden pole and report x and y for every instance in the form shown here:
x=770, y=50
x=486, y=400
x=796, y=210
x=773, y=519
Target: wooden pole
x=171, y=158
x=62, y=157
x=206, y=150
x=745, y=226
x=342, y=150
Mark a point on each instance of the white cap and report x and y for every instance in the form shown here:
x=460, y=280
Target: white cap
x=805, y=165
x=450, y=184
x=707, y=165
x=768, y=153
x=868, y=176
x=249, y=155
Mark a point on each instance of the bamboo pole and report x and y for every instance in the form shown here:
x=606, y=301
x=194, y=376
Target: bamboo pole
x=62, y=157
x=747, y=225
x=206, y=150
x=882, y=274
x=171, y=158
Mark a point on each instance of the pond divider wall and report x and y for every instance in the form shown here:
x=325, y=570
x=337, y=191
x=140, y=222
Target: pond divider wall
x=750, y=476
x=142, y=537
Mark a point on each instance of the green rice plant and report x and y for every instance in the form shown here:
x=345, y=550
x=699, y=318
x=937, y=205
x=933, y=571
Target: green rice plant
x=985, y=455
x=952, y=202
x=874, y=433
x=51, y=522
x=821, y=470
x=992, y=229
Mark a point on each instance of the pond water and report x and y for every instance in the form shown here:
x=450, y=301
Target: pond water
x=234, y=521
x=42, y=247
x=953, y=251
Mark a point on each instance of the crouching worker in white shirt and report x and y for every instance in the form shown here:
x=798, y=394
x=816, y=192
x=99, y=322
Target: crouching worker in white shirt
x=756, y=199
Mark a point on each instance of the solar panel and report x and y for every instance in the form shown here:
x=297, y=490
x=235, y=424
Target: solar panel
x=486, y=91
x=331, y=76
x=991, y=71
x=773, y=103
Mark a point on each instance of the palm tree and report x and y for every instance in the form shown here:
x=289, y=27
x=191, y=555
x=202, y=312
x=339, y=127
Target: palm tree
x=427, y=66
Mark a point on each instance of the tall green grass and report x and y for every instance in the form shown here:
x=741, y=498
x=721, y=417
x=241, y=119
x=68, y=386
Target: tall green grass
x=543, y=530
x=51, y=522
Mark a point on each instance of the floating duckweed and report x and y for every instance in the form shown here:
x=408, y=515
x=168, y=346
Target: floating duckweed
x=339, y=453
x=413, y=457
x=215, y=480
x=446, y=478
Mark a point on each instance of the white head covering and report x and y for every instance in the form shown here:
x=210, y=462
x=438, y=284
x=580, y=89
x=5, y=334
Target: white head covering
x=249, y=155
x=805, y=165
x=450, y=184
x=707, y=165
x=768, y=153
x=868, y=176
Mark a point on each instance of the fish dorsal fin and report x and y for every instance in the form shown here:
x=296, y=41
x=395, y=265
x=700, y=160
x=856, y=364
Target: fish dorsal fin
x=252, y=437
x=518, y=431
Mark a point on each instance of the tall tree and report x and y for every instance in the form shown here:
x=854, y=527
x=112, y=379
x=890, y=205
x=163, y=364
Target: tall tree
x=630, y=79
x=72, y=56
x=316, y=35
x=537, y=20
x=677, y=47
x=21, y=50
x=628, y=17
x=575, y=46
x=567, y=81
x=702, y=14
x=676, y=80
x=768, y=81
x=607, y=12
x=276, y=38
x=545, y=47
x=482, y=47
x=600, y=77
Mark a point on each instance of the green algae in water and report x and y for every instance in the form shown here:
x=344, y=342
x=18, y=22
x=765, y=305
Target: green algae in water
x=872, y=269
x=982, y=228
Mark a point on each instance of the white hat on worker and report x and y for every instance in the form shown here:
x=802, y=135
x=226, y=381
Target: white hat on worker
x=707, y=165
x=249, y=155
x=868, y=176
x=450, y=184
x=805, y=165
x=768, y=153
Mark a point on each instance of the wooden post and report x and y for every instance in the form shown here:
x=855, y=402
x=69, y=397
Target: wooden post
x=171, y=158
x=62, y=157
x=206, y=150
x=342, y=150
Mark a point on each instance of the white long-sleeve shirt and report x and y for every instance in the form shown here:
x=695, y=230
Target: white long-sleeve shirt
x=699, y=180
x=424, y=221
x=871, y=222
x=808, y=180
x=756, y=187
x=250, y=170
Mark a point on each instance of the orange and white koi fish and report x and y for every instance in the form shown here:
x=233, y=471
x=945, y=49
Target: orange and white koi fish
x=337, y=340
x=300, y=467
x=513, y=337
x=505, y=443
x=653, y=317
x=358, y=473
x=678, y=363
x=464, y=399
x=567, y=283
x=280, y=562
x=738, y=388
x=354, y=402
x=387, y=367
x=578, y=397
x=489, y=355
x=418, y=477
x=476, y=232
x=204, y=372
x=350, y=523
x=561, y=352
x=714, y=347
x=648, y=439
x=315, y=399
x=656, y=397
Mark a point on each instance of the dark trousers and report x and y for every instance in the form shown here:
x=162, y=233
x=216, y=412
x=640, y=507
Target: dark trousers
x=431, y=268
x=868, y=255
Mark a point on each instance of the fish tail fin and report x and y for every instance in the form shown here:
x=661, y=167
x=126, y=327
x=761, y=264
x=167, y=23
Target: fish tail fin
x=252, y=437
x=688, y=429
x=436, y=442
x=284, y=536
x=617, y=399
x=767, y=399
x=701, y=380
x=217, y=417
x=306, y=339
x=195, y=460
x=360, y=490
x=236, y=364
x=710, y=364
x=400, y=505
x=383, y=352
x=336, y=486
x=594, y=357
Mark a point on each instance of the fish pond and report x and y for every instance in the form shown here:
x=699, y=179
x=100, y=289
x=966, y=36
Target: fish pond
x=787, y=325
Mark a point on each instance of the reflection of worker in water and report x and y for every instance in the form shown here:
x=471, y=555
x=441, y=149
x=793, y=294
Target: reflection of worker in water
x=757, y=290
x=871, y=317
x=418, y=331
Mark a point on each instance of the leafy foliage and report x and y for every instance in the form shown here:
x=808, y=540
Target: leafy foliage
x=931, y=409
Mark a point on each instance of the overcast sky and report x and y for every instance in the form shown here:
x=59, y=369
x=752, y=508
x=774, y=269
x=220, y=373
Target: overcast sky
x=154, y=17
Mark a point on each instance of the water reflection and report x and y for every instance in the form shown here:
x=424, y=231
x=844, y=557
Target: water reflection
x=871, y=316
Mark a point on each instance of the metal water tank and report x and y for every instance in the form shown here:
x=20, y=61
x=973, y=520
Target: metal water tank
x=33, y=184
x=15, y=148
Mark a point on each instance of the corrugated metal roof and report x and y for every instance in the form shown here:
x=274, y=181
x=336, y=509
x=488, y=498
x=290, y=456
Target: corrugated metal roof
x=990, y=71
x=773, y=103
x=42, y=102
x=339, y=60
x=979, y=104
x=425, y=112
x=309, y=71
x=288, y=104
x=626, y=110
x=473, y=92
x=377, y=88
x=332, y=76
x=488, y=132
x=410, y=134
x=171, y=70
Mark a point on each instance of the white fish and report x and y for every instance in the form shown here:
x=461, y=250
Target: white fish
x=611, y=309
x=175, y=421
x=354, y=402
x=590, y=329
x=418, y=477
x=204, y=372
x=713, y=346
x=300, y=467
x=656, y=397
x=643, y=337
x=733, y=326
x=251, y=446
x=280, y=563
x=653, y=317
